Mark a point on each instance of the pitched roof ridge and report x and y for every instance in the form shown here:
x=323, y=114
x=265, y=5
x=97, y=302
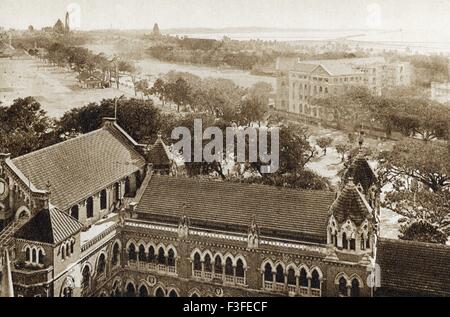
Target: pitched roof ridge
x=415, y=243
x=230, y=183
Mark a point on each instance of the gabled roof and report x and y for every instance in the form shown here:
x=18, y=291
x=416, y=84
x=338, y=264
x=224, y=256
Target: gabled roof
x=295, y=214
x=81, y=167
x=49, y=226
x=157, y=154
x=350, y=204
x=414, y=267
x=361, y=173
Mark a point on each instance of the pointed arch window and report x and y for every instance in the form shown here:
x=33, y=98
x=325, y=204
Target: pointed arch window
x=268, y=274
x=74, y=212
x=292, y=280
x=131, y=290
x=240, y=271
x=229, y=267
x=343, y=286
x=315, y=280
x=344, y=241
x=303, y=278
x=355, y=288
x=90, y=208
x=279, y=276
x=103, y=199
x=208, y=264
x=142, y=255
x=28, y=254
x=161, y=256
x=160, y=292
x=151, y=254
x=116, y=254
x=132, y=252
x=143, y=292
x=171, y=258
x=197, y=262
x=101, y=264
x=218, y=265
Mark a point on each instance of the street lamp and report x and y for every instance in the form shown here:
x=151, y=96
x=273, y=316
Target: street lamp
x=115, y=105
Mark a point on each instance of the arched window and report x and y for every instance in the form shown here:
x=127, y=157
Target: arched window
x=229, y=267
x=268, y=275
x=63, y=253
x=101, y=265
x=116, y=254
x=143, y=292
x=368, y=243
x=344, y=241
x=240, y=271
x=116, y=290
x=27, y=254
x=315, y=280
x=41, y=257
x=171, y=258
x=161, y=256
x=362, y=242
x=138, y=179
x=131, y=290
x=86, y=278
x=160, y=292
x=194, y=295
x=355, y=288
x=352, y=244
x=291, y=277
x=116, y=192
x=279, y=276
x=67, y=250
x=67, y=292
x=303, y=278
x=151, y=254
x=197, y=262
x=72, y=243
x=208, y=264
x=90, y=208
x=103, y=199
x=127, y=187
x=218, y=265
x=132, y=252
x=342, y=286
x=74, y=212
x=142, y=256
x=173, y=293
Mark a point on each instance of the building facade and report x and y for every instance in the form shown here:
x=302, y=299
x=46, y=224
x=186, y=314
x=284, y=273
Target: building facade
x=299, y=82
x=114, y=219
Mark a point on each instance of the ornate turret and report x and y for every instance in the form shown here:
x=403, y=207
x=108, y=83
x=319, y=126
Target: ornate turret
x=158, y=157
x=352, y=225
x=253, y=235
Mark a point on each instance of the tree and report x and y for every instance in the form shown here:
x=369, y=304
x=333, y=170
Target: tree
x=139, y=118
x=159, y=90
x=343, y=149
x=179, y=93
x=25, y=127
x=425, y=162
x=423, y=231
x=31, y=28
x=324, y=143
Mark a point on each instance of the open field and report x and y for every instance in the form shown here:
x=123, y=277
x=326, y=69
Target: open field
x=55, y=88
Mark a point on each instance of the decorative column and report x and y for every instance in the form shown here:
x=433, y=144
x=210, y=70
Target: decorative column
x=309, y=285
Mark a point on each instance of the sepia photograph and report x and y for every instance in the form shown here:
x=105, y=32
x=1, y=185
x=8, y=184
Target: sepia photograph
x=251, y=149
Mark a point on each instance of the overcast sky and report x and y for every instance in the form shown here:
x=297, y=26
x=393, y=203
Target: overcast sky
x=312, y=14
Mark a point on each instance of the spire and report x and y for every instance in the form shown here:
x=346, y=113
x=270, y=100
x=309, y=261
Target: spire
x=7, y=289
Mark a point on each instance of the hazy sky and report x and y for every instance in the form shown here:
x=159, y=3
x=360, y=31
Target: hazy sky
x=313, y=14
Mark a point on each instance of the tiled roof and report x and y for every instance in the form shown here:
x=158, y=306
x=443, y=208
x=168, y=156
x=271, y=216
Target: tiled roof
x=361, y=172
x=301, y=215
x=157, y=154
x=49, y=226
x=350, y=204
x=414, y=267
x=81, y=167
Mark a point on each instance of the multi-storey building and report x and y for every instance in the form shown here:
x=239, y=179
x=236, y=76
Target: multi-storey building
x=440, y=92
x=299, y=82
x=101, y=215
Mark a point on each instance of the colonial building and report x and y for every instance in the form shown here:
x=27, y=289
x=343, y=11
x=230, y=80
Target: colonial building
x=440, y=92
x=101, y=215
x=299, y=82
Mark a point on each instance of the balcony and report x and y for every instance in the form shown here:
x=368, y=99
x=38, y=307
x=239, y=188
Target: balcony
x=292, y=289
x=303, y=291
x=240, y=280
x=208, y=276
x=229, y=279
x=153, y=267
x=279, y=287
x=268, y=286
x=198, y=274
x=315, y=292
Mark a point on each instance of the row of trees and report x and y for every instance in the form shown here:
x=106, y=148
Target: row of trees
x=84, y=62
x=413, y=116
